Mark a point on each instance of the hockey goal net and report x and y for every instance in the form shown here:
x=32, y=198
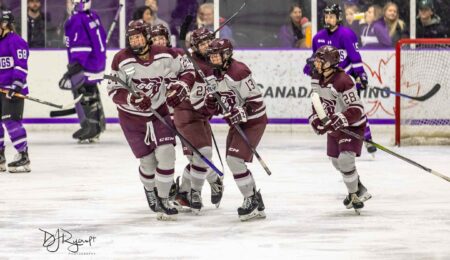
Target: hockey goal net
x=421, y=65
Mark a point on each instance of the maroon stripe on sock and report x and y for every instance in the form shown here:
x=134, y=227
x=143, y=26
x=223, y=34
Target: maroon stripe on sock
x=241, y=175
x=198, y=168
x=165, y=172
x=148, y=177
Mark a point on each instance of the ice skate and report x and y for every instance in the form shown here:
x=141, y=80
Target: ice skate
x=151, y=198
x=217, y=191
x=173, y=192
x=362, y=193
x=20, y=164
x=165, y=210
x=354, y=202
x=196, y=201
x=182, y=202
x=87, y=134
x=2, y=161
x=252, y=207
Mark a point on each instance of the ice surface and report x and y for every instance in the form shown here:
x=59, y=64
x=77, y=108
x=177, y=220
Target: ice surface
x=94, y=190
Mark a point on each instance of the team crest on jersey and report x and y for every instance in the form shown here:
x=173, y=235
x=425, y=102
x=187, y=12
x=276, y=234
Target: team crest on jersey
x=228, y=98
x=151, y=85
x=329, y=106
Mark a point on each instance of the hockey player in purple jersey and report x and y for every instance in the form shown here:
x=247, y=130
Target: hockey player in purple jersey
x=86, y=49
x=343, y=106
x=345, y=40
x=13, y=78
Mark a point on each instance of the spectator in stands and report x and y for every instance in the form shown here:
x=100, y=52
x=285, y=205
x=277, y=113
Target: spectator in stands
x=374, y=33
x=396, y=27
x=36, y=24
x=153, y=4
x=429, y=25
x=205, y=18
x=145, y=13
x=353, y=17
x=294, y=34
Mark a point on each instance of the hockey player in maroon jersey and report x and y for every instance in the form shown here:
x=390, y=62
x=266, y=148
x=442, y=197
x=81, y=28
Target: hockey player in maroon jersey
x=154, y=72
x=246, y=108
x=194, y=126
x=343, y=106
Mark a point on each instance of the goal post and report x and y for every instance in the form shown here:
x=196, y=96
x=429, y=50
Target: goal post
x=421, y=64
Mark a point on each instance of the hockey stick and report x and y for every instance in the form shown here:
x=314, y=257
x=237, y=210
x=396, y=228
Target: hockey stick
x=228, y=20
x=113, y=24
x=173, y=129
x=66, y=106
x=217, y=150
x=317, y=104
x=183, y=32
x=428, y=95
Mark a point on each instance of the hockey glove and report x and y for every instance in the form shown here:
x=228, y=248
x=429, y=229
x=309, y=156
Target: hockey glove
x=337, y=121
x=73, y=78
x=15, y=88
x=141, y=103
x=236, y=116
x=211, y=104
x=176, y=93
x=361, y=81
x=316, y=124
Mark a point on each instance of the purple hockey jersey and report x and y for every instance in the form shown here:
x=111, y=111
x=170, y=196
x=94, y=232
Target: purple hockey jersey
x=86, y=43
x=345, y=40
x=13, y=62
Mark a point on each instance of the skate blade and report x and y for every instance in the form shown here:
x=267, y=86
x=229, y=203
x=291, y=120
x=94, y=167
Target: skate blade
x=195, y=212
x=88, y=141
x=2, y=168
x=357, y=211
x=217, y=205
x=164, y=217
x=20, y=169
x=256, y=214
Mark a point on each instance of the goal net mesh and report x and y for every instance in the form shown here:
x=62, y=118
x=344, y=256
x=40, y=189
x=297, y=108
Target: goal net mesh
x=422, y=66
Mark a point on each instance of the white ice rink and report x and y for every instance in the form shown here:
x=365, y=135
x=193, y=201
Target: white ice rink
x=94, y=190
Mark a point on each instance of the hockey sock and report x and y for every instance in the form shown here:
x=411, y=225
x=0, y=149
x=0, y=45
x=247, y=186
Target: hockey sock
x=186, y=179
x=17, y=134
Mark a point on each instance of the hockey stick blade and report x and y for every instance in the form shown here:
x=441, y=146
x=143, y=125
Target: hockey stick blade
x=66, y=112
x=428, y=95
x=317, y=104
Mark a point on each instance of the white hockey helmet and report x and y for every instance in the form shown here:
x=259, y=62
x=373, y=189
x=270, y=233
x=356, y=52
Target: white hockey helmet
x=81, y=5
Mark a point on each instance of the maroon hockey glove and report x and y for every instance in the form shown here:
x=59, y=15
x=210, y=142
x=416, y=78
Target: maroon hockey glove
x=176, y=93
x=337, y=121
x=211, y=104
x=141, y=103
x=317, y=125
x=236, y=116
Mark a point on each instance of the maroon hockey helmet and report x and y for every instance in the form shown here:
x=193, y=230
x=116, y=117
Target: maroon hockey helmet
x=137, y=27
x=328, y=53
x=222, y=47
x=160, y=30
x=199, y=35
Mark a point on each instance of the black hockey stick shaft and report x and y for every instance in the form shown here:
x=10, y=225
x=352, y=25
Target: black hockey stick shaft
x=325, y=120
x=41, y=101
x=113, y=24
x=173, y=129
x=183, y=32
x=217, y=150
x=229, y=19
x=428, y=95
